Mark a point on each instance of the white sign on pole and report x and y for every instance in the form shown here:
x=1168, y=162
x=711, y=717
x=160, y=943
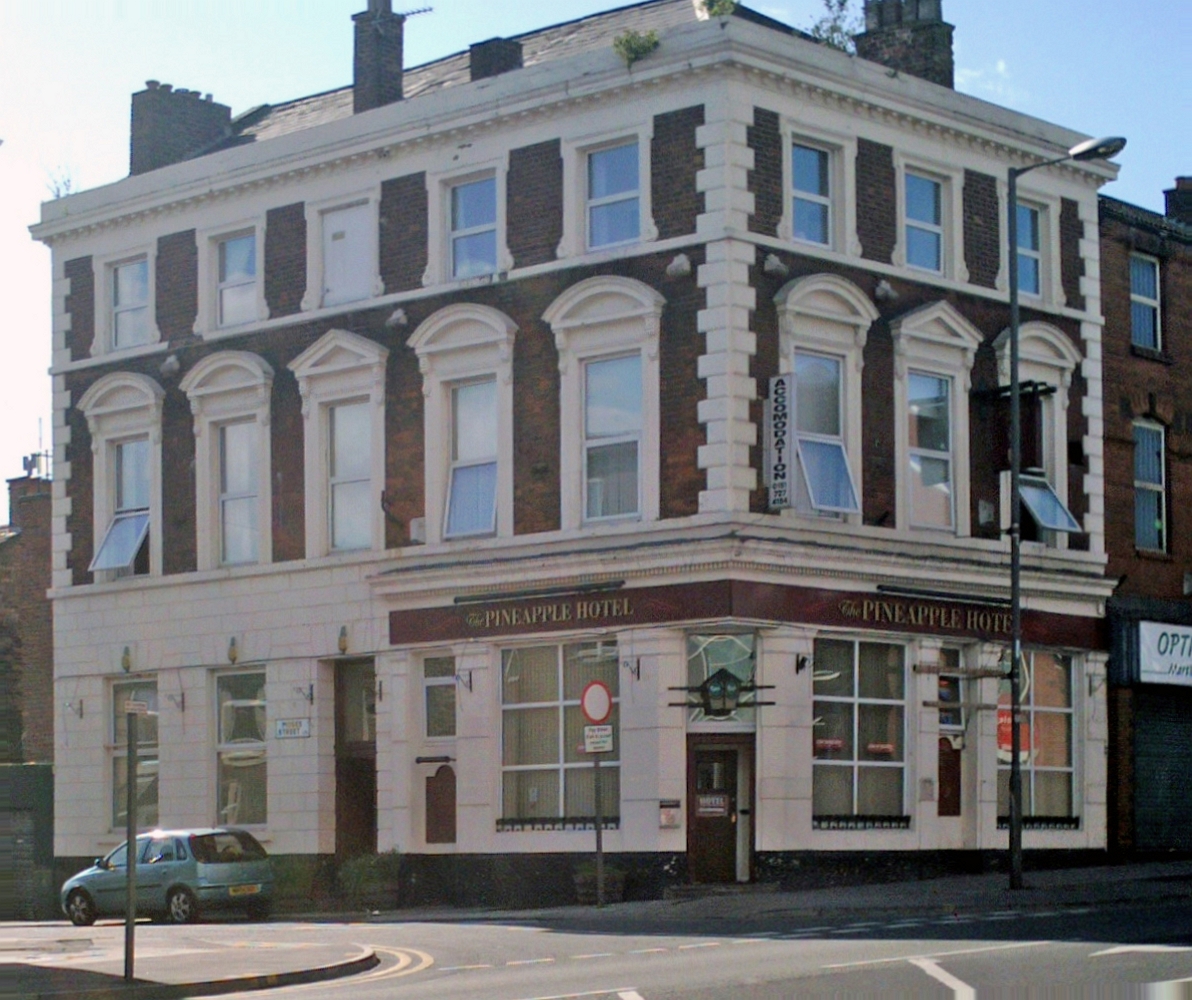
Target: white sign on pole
x=596, y=702
x=1164, y=653
x=778, y=442
x=598, y=739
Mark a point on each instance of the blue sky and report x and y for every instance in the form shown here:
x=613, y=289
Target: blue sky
x=68, y=69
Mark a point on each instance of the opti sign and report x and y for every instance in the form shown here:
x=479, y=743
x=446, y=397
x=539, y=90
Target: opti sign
x=1164, y=653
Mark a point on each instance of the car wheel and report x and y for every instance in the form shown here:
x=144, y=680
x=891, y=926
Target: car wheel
x=80, y=909
x=181, y=907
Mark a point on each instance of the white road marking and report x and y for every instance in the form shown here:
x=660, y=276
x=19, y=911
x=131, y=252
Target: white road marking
x=705, y=944
x=937, y=954
x=594, y=954
x=648, y=951
x=530, y=961
x=462, y=968
x=621, y=991
x=960, y=989
x=905, y=923
x=1126, y=949
x=630, y=995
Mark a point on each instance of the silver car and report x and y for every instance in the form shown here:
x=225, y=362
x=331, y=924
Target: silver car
x=180, y=873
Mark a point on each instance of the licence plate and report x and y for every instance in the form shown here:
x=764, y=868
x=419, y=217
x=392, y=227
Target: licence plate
x=244, y=890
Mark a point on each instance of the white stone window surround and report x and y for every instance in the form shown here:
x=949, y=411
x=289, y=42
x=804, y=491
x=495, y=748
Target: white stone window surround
x=207, y=320
x=122, y=407
x=440, y=184
x=316, y=212
x=951, y=181
x=575, y=152
x=829, y=315
x=105, y=266
x=459, y=344
x=842, y=185
x=1051, y=289
x=340, y=367
x=224, y=388
x=1045, y=354
x=597, y=318
x=934, y=340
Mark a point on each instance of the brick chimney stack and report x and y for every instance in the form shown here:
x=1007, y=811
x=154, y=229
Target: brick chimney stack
x=378, y=59
x=169, y=126
x=909, y=36
x=494, y=57
x=1179, y=200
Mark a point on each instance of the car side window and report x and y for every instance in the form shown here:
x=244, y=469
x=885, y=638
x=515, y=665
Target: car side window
x=181, y=850
x=160, y=850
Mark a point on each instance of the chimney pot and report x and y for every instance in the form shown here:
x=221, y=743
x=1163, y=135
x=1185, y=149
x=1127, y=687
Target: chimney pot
x=152, y=84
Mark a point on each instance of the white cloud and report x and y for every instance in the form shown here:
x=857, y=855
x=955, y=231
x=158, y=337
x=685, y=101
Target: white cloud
x=992, y=83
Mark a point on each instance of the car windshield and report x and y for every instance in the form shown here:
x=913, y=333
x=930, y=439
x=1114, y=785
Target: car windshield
x=225, y=846
x=117, y=858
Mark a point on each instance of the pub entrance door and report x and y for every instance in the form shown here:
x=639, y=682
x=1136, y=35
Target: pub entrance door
x=355, y=759
x=720, y=807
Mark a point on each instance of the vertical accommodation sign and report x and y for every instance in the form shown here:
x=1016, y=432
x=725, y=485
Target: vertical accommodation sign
x=778, y=464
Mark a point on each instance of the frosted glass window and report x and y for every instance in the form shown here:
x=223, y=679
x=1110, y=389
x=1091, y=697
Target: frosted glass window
x=238, y=492
x=350, y=468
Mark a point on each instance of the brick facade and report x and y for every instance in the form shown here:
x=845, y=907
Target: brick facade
x=285, y=259
x=1071, y=261
x=675, y=160
x=403, y=223
x=177, y=292
x=26, y=622
x=80, y=306
x=877, y=204
x=534, y=203
x=982, y=229
x=765, y=179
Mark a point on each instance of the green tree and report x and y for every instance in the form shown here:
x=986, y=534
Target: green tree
x=838, y=25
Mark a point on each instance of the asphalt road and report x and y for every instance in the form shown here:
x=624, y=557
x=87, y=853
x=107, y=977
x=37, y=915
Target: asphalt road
x=1121, y=951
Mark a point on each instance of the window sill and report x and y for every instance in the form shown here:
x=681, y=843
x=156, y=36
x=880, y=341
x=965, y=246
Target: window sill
x=1150, y=354
x=1154, y=555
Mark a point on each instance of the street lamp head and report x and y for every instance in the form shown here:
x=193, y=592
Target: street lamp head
x=1097, y=149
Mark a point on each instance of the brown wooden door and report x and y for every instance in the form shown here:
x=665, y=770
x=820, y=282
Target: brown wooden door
x=440, y=806
x=712, y=815
x=950, y=779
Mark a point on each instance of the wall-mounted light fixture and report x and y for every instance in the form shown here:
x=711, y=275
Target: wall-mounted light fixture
x=233, y=652
x=179, y=701
x=343, y=639
x=75, y=706
x=126, y=660
x=464, y=679
x=802, y=663
x=634, y=666
x=308, y=693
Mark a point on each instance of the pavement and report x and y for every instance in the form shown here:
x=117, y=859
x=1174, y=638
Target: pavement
x=171, y=962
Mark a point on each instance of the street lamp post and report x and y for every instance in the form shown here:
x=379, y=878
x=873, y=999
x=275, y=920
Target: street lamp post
x=1091, y=149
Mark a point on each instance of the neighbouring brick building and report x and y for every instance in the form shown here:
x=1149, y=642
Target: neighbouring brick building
x=391, y=419
x=26, y=702
x=1146, y=281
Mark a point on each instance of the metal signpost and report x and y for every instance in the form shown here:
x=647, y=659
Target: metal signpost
x=596, y=703
x=132, y=709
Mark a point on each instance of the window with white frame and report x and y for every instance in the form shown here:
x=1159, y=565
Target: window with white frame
x=238, y=479
x=859, y=729
x=950, y=686
x=1046, y=739
x=472, y=491
x=929, y=450
x=474, y=228
x=147, y=783
x=241, y=749
x=545, y=774
x=130, y=303
x=1150, y=488
x=1145, y=329
x=606, y=331
x=1047, y=359
x=934, y=350
x=612, y=436
x=824, y=323
x=811, y=205
x=124, y=420
x=825, y=480
x=924, y=222
x=1030, y=257
x=613, y=188
x=341, y=378
x=438, y=684
x=466, y=355
x=229, y=394
x=349, y=254
x=349, y=474
x=236, y=290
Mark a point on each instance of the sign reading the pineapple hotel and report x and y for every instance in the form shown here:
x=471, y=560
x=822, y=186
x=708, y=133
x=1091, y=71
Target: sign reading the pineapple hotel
x=626, y=607
x=1164, y=653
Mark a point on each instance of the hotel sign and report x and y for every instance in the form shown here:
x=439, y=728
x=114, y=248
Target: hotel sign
x=931, y=615
x=576, y=610
x=778, y=442
x=1164, y=653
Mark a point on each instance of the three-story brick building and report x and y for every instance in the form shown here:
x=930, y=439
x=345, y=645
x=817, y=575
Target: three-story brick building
x=391, y=418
